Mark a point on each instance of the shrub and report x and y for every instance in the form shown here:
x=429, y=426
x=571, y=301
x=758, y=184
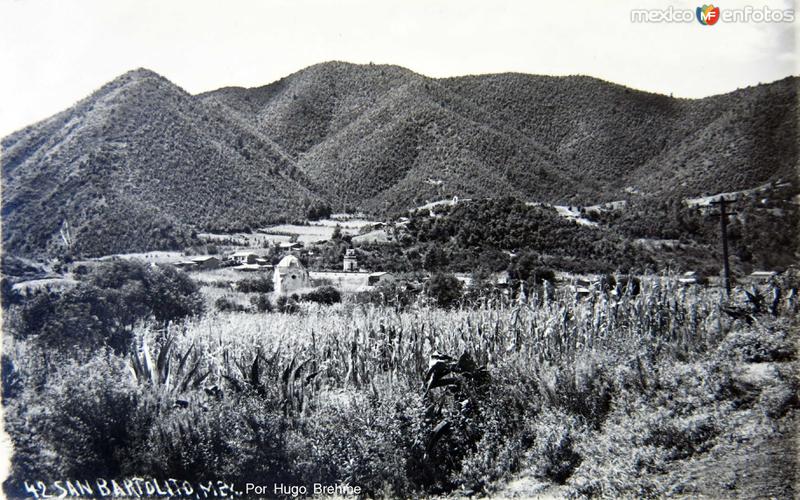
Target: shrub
x=761, y=344
x=378, y=458
x=104, y=306
x=286, y=304
x=225, y=304
x=444, y=289
x=261, y=302
x=389, y=294
x=324, y=295
x=262, y=284
x=584, y=387
x=553, y=455
x=83, y=422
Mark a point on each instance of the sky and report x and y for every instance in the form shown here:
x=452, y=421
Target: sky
x=55, y=52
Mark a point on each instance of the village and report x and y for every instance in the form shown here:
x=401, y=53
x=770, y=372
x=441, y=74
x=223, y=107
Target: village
x=282, y=255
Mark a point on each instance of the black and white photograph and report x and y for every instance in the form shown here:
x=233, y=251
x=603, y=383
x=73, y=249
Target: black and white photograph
x=385, y=249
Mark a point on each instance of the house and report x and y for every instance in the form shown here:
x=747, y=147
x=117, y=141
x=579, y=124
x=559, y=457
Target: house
x=290, y=276
x=689, y=278
x=350, y=262
x=186, y=265
x=290, y=245
x=761, y=277
x=244, y=257
x=381, y=278
x=206, y=262
x=501, y=279
x=249, y=268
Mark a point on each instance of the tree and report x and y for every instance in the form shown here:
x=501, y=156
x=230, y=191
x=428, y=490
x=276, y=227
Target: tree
x=527, y=268
x=319, y=211
x=434, y=259
x=445, y=289
x=171, y=294
x=104, y=306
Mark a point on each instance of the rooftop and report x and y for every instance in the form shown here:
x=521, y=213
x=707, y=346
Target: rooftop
x=290, y=261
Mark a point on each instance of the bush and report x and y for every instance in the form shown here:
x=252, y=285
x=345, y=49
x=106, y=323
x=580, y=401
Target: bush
x=369, y=441
x=261, y=302
x=553, y=454
x=444, y=289
x=82, y=425
x=262, y=284
x=225, y=304
x=286, y=304
x=389, y=294
x=762, y=344
x=324, y=295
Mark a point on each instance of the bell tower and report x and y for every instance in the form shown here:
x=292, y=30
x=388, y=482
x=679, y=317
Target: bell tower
x=350, y=262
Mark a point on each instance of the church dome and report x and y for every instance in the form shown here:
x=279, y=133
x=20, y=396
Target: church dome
x=290, y=261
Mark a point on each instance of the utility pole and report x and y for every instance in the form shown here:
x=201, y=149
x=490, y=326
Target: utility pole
x=723, y=223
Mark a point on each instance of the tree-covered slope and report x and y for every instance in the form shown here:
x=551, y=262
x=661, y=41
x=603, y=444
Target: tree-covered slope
x=140, y=163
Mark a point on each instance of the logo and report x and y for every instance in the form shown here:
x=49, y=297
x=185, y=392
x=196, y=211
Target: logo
x=708, y=15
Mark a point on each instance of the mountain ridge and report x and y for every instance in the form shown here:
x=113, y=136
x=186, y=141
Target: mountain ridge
x=367, y=137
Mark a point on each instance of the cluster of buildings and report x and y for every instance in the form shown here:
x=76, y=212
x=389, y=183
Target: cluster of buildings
x=290, y=275
x=241, y=261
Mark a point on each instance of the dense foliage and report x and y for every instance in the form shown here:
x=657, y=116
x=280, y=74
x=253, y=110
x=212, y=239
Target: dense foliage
x=323, y=295
x=482, y=237
x=444, y=289
x=102, y=308
x=609, y=396
x=261, y=284
x=490, y=236
x=763, y=230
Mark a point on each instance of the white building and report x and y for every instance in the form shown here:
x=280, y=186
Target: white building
x=244, y=257
x=290, y=276
x=350, y=261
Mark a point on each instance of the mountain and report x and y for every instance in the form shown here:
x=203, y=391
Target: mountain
x=138, y=165
x=141, y=164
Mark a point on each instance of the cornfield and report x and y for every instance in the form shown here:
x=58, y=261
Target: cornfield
x=421, y=400
x=379, y=349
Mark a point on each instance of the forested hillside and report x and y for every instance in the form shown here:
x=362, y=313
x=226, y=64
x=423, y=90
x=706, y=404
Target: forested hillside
x=141, y=164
